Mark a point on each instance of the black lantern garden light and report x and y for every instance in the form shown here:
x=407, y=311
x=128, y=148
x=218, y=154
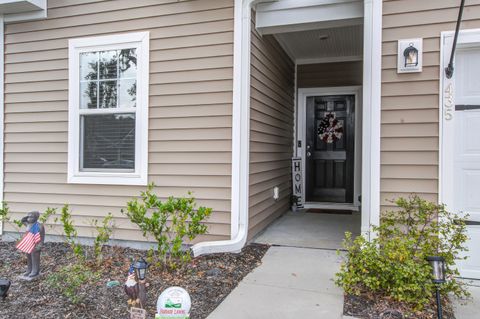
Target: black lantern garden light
x=140, y=267
x=411, y=56
x=4, y=286
x=135, y=286
x=438, y=277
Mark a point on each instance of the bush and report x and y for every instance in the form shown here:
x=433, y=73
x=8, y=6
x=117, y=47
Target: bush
x=394, y=263
x=71, y=234
x=169, y=223
x=69, y=279
x=104, y=231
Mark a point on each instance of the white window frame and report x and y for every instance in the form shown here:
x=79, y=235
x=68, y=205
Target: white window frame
x=139, y=41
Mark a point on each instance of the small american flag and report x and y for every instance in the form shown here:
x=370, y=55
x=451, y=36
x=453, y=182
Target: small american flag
x=30, y=239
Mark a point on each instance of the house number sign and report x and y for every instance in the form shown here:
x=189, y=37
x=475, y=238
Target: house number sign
x=448, y=102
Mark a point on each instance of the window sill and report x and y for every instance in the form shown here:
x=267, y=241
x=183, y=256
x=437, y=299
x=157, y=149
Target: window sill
x=108, y=179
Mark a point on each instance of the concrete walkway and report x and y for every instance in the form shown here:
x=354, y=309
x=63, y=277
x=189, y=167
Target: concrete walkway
x=296, y=282
x=295, y=279
x=310, y=230
x=470, y=309
x=291, y=283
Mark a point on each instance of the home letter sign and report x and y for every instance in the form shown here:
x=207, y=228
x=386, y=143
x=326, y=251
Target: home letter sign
x=297, y=180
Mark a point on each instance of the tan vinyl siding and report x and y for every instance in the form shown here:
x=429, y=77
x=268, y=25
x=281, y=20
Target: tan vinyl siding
x=191, y=83
x=330, y=74
x=271, y=130
x=410, y=128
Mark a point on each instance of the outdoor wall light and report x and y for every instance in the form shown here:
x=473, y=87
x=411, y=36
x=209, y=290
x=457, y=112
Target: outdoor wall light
x=4, y=286
x=438, y=277
x=411, y=56
x=140, y=267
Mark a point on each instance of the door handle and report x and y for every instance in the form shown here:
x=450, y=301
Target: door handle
x=309, y=154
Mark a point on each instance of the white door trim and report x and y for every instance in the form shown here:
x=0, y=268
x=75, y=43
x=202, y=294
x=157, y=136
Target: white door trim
x=303, y=94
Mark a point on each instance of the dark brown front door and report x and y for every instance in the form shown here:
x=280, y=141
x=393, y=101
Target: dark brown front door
x=330, y=129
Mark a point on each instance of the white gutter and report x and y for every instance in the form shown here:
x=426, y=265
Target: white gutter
x=240, y=135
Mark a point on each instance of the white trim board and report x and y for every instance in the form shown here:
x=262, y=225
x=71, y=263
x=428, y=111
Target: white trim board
x=372, y=86
x=332, y=59
x=303, y=94
x=301, y=15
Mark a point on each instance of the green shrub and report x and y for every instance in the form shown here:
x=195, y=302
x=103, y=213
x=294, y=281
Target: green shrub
x=169, y=223
x=6, y=218
x=69, y=279
x=104, y=231
x=4, y=212
x=71, y=234
x=46, y=216
x=394, y=262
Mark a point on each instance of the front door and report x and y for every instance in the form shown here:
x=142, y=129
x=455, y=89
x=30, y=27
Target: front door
x=330, y=127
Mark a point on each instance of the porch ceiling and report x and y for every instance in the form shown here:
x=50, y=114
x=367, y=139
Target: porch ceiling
x=19, y=6
x=331, y=43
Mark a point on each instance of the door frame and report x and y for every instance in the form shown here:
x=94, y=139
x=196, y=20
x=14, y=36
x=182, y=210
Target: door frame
x=300, y=131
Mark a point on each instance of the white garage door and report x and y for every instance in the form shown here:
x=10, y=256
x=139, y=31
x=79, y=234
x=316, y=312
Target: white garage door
x=466, y=157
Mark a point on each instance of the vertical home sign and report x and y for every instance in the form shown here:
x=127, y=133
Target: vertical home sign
x=297, y=181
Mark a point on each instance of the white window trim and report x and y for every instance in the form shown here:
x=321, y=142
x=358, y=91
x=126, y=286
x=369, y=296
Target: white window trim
x=139, y=176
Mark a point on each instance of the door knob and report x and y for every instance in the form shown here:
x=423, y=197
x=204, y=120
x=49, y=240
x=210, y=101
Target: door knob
x=309, y=154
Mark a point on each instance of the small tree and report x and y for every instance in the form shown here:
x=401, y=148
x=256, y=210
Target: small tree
x=71, y=234
x=170, y=223
x=104, y=231
x=394, y=263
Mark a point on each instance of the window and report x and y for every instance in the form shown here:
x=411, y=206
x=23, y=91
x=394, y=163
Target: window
x=108, y=109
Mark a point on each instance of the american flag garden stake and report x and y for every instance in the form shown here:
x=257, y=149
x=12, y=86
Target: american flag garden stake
x=30, y=239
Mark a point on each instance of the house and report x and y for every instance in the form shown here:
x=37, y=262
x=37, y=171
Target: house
x=217, y=97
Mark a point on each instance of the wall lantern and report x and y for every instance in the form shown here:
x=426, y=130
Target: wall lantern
x=140, y=267
x=4, y=286
x=409, y=56
x=438, y=277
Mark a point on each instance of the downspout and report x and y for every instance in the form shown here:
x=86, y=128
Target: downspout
x=240, y=136
x=449, y=69
x=2, y=108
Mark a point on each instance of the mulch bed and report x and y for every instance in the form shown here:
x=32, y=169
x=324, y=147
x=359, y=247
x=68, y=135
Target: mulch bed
x=208, y=279
x=379, y=307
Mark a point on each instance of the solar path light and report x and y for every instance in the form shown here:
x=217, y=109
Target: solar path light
x=438, y=277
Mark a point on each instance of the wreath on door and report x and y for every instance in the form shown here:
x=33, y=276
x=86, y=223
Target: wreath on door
x=330, y=129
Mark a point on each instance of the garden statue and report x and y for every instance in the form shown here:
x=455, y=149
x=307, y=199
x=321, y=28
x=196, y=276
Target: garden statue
x=131, y=288
x=31, y=244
